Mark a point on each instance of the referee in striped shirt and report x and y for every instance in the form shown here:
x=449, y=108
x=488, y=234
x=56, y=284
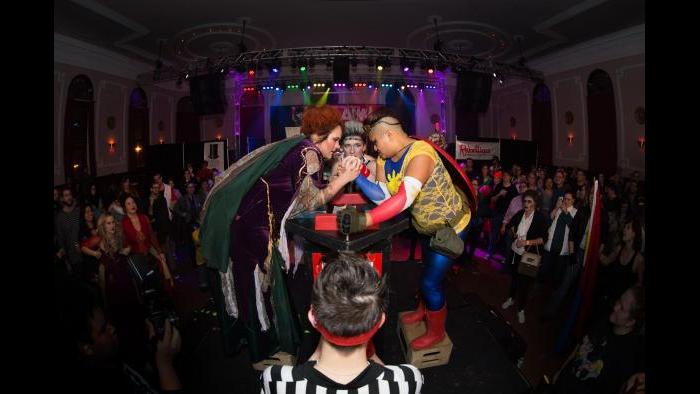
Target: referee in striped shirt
x=347, y=307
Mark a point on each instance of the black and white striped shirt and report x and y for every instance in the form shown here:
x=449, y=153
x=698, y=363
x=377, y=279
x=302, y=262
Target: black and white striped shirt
x=375, y=379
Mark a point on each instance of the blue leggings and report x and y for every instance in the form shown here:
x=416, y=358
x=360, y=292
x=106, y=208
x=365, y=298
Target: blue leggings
x=434, y=270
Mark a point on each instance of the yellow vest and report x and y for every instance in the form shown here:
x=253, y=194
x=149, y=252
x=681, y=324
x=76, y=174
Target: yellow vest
x=439, y=201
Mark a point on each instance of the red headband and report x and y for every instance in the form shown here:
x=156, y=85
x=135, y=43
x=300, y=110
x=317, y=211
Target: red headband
x=348, y=341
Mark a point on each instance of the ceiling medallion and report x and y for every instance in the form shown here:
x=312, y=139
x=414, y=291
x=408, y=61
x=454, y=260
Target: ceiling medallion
x=463, y=37
x=219, y=39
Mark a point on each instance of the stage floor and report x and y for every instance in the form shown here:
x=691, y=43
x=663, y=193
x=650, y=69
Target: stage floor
x=478, y=364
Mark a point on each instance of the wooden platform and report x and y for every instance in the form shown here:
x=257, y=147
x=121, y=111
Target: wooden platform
x=438, y=354
x=279, y=358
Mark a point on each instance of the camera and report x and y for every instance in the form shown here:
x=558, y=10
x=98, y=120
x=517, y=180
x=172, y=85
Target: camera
x=149, y=285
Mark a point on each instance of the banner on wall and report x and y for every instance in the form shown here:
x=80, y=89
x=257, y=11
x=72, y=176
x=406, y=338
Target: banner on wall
x=477, y=150
x=292, y=131
x=283, y=117
x=214, y=154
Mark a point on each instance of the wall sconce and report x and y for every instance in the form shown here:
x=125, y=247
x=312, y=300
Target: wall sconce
x=513, y=136
x=641, y=142
x=111, y=144
x=570, y=138
x=161, y=140
x=218, y=136
x=138, y=149
x=75, y=166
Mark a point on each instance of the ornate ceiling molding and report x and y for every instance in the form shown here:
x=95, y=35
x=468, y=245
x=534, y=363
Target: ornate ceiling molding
x=219, y=39
x=137, y=29
x=463, y=37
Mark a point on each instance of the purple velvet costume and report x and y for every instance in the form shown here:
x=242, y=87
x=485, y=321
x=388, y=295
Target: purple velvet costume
x=250, y=230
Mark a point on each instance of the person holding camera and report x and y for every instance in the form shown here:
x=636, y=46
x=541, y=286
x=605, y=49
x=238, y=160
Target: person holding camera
x=558, y=252
x=348, y=306
x=411, y=175
x=529, y=228
x=139, y=236
x=101, y=365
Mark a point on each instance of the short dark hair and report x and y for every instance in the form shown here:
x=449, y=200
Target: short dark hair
x=348, y=296
x=377, y=115
x=533, y=195
x=124, y=196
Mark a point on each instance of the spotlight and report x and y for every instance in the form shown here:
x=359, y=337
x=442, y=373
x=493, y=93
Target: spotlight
x=251, y=73
x=302, y=68
x=405, y=64
x=387, y=63
x=431, y=71
x=275, y=70
x=380, y=67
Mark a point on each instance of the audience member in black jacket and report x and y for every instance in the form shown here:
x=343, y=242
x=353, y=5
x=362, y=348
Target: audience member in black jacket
x=529, y=228
x=572, y=271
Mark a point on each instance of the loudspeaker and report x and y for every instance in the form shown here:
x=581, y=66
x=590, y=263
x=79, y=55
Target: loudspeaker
x=341, y=70
x=473, y=91
x=207, y=93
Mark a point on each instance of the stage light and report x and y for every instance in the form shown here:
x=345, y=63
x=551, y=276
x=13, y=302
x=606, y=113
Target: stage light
x=380, y=67
x=275, y=70
x=386, y=63
x=431, y=71
x=251, y=73
x=302, y=68
x=187, y=75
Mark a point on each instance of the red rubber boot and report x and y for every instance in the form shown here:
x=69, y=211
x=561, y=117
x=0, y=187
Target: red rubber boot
x=415, y=316
x=435, y=321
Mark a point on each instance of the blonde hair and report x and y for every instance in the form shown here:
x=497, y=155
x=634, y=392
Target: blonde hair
x=111, y=243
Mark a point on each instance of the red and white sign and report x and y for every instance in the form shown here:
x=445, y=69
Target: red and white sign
x=477, y=150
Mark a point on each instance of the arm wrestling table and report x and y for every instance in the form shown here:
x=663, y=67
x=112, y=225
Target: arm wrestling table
x=317, y=244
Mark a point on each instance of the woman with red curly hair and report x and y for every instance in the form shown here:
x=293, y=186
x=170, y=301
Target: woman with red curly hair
x=242, y=240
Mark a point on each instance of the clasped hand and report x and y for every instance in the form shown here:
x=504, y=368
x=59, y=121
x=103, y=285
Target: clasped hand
x=349, y=168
